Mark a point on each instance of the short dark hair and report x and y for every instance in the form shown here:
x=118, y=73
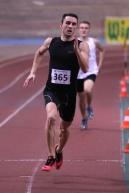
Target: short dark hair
x=69, y=14
x=86, y=22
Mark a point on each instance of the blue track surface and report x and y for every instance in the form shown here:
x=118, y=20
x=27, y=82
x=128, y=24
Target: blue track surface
x=124, y=105
x=21, y=41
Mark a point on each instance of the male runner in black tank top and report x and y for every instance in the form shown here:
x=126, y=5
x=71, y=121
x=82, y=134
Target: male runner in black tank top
x=67, y=54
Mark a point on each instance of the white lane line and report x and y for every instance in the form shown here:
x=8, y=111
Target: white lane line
x=31, y=178
x=13, y=61
x=21, y=107
x=76, y=160
x=40, y=161
x=14, y=81
x=38, y=2
x=23, y=160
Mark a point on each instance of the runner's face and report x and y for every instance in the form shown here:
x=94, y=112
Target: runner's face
x=69, y=26
x=84, y=30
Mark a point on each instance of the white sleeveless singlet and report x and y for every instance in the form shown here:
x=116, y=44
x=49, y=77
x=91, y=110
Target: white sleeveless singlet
x=92, y=63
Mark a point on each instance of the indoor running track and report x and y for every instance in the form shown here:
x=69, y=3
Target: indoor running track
x=92, y=158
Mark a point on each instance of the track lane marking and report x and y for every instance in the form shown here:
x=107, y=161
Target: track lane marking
x=31, y=178
x=75, y=160
x=13, y=82
x=14, y=61
x=8, y=118
x=17, y=78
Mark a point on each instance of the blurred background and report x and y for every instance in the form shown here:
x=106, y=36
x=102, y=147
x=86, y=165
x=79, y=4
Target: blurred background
x=24, y=24
x=39, y=18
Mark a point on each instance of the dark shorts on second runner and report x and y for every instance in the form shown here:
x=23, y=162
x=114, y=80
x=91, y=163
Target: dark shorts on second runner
x=65, y=102
x=80, y=82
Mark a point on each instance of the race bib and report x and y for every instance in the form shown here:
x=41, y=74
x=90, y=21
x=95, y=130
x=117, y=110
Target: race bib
x=60, y=76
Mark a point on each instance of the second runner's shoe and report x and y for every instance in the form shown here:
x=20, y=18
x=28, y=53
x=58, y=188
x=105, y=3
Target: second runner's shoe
x=84, y=123
x=58, y=158
x=90, y=112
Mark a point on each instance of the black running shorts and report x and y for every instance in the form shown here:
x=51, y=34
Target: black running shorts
x=80, y=82
x=65, y=102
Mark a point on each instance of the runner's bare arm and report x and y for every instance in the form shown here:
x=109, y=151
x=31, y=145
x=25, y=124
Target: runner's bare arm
x=37, y=60
x=39, y=55
x=100, y=48
x=82, y=52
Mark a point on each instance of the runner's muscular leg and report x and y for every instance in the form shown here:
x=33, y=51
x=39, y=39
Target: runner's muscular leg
x=82, y=103
x=88, y=87
x=64, y=134
x=52, y=112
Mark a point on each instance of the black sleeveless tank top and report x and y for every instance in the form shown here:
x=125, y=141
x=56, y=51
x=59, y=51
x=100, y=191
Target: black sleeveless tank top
x=63, y=65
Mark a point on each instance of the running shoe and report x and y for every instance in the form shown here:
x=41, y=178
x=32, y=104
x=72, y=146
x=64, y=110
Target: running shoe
x=89, y=112
x=84, y=123
x=58, y=158
x=49, y=164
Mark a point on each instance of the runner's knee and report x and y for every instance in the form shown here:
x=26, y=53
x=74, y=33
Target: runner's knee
x=64, y=132
x=88, y=90
x=64, y=127
x=51, y=120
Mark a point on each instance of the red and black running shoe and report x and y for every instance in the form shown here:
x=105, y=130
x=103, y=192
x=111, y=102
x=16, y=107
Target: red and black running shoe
x=49, y=164
x=58, y=158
